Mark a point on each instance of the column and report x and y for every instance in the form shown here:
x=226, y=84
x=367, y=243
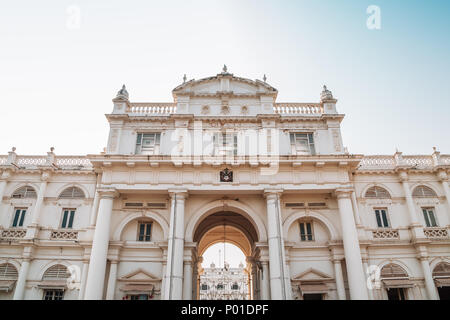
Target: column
x=413, y=219
x=187, y=281
x=112, y=280
x=21, y=281
x=4, y=180
x=174, y=284
x=444, y=181
x=34, y=226
x=355, y=272
x=94, y=209
x=84, y=273
x=429, y=283
x=278, y=274
x=163, y=278
x=356, y=209
x=265, y=289
x=339, y=279
x=96, y=274
x=366, y=268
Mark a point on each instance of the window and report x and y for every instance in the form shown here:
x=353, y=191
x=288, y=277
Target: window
x=53, y=294
x=67, y=221
x=139, y=297
x=24, y=192
x=144, y=231
x=205, y=286
x=19, y=217
x=382, y=218
x=225, y=144
x=72, y=193
x=313, y=296
x=306, y=233
x=220, y=286
x=235, y=286
x=378, y=193
x=302, y=143
x=430, y=217
x=423, y=192
x=396, y=294
x=148, y=143
x=8, y=271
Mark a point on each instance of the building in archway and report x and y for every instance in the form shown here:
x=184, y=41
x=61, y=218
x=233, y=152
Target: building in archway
x=314, y=220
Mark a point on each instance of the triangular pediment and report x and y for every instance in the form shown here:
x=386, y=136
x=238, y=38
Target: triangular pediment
x=140, y=275
x=224, y=83
x=312, y=275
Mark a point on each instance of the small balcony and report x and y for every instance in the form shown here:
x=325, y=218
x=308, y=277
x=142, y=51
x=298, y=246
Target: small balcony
x=386, y=234
x=436, y=233
x=13, y=234
x=64, y=234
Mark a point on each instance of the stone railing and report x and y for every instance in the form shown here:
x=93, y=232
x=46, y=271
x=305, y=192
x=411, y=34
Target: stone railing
x=72, y=161
x=436, y=233
x=298, y=108
x=386, y=234
x=421, y=162
x=31, y=161
x=151, y=109
x=35, y=162
x=13, y=233
x=64, y=235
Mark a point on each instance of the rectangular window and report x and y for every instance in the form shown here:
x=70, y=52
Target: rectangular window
x=19, y=217
x=303, y=144
x=430, y=217
x=148, y=143
x=396, y=294
x=382, y=218
x=53, y=294
x=306, y=233
x=225, y=144
x=68, y=216
x=144, y=231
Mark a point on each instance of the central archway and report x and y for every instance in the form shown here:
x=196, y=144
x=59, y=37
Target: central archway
x=234, y=228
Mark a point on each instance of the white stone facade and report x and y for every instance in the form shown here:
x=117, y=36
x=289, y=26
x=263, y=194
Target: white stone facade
x=303, y=210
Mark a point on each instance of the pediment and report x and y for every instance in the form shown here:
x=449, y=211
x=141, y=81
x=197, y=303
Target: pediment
x=312, y=275
x=224, y=83
x=140, y=275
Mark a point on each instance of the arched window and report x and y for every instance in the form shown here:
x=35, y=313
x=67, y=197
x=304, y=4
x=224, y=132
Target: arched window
x=72, y=193
x=56, y=272
x=395, y=281
x=8, y=272
x=442, y=270
x=393, y=271
x=24, y=192
x=205, y=286
x=441, y=275
x=423, y=192
x=377, y=192
x=235, y=286
x=220, y=286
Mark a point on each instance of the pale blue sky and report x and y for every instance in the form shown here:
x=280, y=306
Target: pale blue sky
x=57, y=83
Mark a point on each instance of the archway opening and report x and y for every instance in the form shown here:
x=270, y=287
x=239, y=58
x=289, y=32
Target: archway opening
x=227, y=268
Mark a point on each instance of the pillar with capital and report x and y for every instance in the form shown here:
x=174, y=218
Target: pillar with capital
x=97, y=266
x=19, y=292
x=35, y=215
x=416, y=227
x=264, y=279
x=355, y=272
x=84, y=273
x=174, y=271
x=337, y=263
x=443, y=177
x=112, y=279
x=279, y=277
x=427, y=274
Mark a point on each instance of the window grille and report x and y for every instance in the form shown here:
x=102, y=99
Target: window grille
x=378, y=193
x=303, y=144
x=56, y=272
x=25, y=192
x=72, y=193
x=148, y=143
x=423, y=192
x=8, y=271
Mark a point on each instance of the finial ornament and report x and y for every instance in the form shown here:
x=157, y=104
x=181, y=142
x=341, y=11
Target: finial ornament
x=225, y=68
x=123, y=93
x=326, y=94
x=264, y=78
x=13, y=149
x=52, y=149
x=184, y=78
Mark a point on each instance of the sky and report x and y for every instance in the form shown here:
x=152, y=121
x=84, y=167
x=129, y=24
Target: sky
x=217, y=253
x=61, y=63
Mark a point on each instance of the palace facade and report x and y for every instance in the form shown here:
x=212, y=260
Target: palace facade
x=224, y=161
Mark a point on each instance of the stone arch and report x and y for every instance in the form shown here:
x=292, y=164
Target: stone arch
x=426, y=185
x=227, y=205
x=384, y=263
x=52, y=264
x=316, y=215
x=381, y=185
x=19, y=186
x=15, y=263
x=144, y=214
x=77, y=185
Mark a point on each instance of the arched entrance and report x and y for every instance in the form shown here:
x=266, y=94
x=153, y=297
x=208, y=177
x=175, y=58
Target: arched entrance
x=233, y=228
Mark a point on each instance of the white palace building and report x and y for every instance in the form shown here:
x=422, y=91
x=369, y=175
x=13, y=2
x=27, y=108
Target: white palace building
x=225, y=162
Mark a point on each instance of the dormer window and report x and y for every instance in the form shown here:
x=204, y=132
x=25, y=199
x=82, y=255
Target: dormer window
x=302, y=144
x=148, y=143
